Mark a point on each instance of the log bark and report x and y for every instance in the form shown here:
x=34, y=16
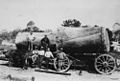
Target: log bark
x=87, y=40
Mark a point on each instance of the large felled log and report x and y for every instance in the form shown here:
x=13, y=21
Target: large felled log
x=86, y=40
x=81, y=40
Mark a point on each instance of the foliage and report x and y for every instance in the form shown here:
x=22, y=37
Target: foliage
x=71, y=23
x=9, y=35
x=96, y=26
x=14, y=33
x=34, y=29
x=30, y=23
x=5, y=35
x=16, y=57
x=31, y=27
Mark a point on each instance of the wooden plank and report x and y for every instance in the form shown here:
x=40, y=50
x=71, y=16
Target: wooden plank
x=53, y=72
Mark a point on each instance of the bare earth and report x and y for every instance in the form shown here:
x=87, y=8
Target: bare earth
x=26, y=75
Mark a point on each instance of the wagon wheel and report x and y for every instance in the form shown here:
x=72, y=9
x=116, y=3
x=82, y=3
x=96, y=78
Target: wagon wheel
x=62, y=65
x=105, y=64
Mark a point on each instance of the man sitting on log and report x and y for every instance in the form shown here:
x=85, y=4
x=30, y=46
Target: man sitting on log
x=41, y=55
x=35, y=55
x=48, y=57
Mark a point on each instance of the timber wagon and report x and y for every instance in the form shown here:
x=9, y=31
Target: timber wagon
x=90, y=44
x=78, y=43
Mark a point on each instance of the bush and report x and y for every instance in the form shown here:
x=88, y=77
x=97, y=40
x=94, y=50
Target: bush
x=16, y=57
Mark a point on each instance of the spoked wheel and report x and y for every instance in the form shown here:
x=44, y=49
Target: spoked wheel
x=62, y=65
x=105, y=64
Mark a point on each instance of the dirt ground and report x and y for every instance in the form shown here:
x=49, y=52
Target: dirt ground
x=26, y=75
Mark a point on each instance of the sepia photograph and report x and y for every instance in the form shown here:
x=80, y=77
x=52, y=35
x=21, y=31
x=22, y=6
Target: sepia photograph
x=59, y=40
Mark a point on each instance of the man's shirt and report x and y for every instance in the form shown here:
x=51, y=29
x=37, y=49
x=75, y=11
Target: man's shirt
x=49, y=54
x=61, y=55
x=39, y=52
x=31, y=37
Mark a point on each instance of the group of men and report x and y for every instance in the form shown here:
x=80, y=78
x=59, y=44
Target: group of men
x=44, y=52
x=31, y=38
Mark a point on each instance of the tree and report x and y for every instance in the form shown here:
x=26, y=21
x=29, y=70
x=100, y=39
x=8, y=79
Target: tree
x=96, y=25
x=30, y=23
x=5, y=35
x=34, y=29
x=14, y=33
x=71, y=23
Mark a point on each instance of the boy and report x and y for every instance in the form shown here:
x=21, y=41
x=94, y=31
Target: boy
x=48, y=55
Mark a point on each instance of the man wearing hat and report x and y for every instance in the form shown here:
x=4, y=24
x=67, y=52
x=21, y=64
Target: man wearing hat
x=60, y=56
x=30, y=39
x=45, y=42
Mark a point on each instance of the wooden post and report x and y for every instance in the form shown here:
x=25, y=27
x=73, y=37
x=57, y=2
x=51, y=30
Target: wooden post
x=33, y=79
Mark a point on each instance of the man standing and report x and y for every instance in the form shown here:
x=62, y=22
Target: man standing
x=30, y=39
x=60, y=56
x=59, y=42
x=45, y=42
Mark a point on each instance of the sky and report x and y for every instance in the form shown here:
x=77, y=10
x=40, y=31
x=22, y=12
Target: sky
x=51, y=13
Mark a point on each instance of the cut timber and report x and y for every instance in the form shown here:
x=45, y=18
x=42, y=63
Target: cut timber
x=87, y=40
x=73, y=40
x=54, y=72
